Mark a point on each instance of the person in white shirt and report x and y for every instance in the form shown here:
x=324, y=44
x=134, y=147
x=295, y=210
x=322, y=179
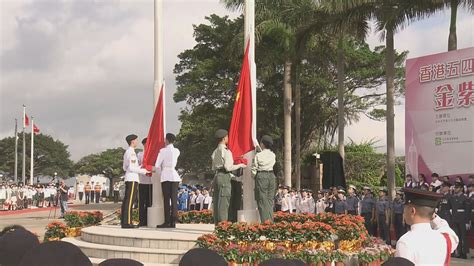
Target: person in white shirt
x=207, y=201
x=312, y=203
x=132, y=170
x=3, y=195
x=192, y=200
x=303, y=203
x=31, y=196
x=430, y=240
x=52, y=195
x=286, y=201
x=144, y=190
x=321, y=203
x=294, y=199
x=80, y=190
x=435, y=185
x=166, y=165
x=199, y=200
x=47, y=197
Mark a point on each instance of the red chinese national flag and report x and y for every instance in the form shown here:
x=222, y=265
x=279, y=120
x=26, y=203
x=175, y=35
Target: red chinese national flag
x=240, y=133
x=36, y=130
x=156, y=133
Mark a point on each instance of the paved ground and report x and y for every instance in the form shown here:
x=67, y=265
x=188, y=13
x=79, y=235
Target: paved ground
x=36, y=221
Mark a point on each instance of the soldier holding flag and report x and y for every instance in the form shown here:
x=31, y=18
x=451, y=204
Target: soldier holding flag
x=223, y=165
x=265, y=180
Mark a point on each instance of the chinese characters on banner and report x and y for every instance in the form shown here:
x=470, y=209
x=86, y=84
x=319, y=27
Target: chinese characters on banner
x=439, y=117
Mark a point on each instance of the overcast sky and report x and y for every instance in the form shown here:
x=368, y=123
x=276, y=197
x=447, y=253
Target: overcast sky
x=84, y=68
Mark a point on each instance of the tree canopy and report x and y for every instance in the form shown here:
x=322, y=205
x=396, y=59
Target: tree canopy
x=208, y=73
x=108, y=163
x=50, y=156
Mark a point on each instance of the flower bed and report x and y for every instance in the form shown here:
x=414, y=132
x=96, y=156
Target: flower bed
x=196, y=217
x=82, y=218
x=75, y=221
x=314, y=239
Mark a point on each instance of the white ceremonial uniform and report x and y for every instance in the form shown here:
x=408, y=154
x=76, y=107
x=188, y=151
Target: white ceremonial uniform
x=303, y=205
x=144, y=179
x=200, y=201
x=286, y=203
x=192, y=200
x=320, y=206
x=131, y=166
x=424, y=244
x=207, y=202
x=294, y=199
x=166, y=164
x=312, y=205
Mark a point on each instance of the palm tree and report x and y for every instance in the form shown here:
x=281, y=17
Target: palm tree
x=454, y=4
x=323, y=19
x=389, y=16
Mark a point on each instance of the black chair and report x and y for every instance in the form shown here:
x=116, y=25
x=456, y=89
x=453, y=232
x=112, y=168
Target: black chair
x=55, y=253
x=202, y=257
x=282, y=262
x=120, y=262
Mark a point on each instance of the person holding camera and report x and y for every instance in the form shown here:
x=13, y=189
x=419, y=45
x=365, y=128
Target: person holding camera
x=62, y=190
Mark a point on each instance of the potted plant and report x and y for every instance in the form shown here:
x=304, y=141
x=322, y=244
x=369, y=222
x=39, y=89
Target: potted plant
x=55, y=231
x=74, y=224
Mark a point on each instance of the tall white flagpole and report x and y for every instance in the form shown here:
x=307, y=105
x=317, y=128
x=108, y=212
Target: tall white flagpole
x=23, y=172
x=16, y=152
x=156, y=211
x=249, y=212
x=32, y=146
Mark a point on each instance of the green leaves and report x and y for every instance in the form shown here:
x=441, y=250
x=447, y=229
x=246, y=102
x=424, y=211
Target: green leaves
x=108, y=163
x=50, y=156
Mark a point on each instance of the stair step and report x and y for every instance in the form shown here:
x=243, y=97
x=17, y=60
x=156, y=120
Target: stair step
x=182, y=238
x=144, y=255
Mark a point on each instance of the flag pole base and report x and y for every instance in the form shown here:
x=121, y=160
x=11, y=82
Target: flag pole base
x=155, y=216
x=248, y=216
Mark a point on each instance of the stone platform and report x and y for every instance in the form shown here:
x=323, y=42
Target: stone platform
x=147, y=245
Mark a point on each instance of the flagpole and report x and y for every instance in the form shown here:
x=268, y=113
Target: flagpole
x=249, y=212
x=156, y=211
x=32, y=145
x=23, y=170
x=158, y=59
x=16, y=151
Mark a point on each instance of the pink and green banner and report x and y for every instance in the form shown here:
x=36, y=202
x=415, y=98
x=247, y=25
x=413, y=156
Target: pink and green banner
x=439, y=114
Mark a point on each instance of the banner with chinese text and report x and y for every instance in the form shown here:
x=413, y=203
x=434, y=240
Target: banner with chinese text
x=439, y=114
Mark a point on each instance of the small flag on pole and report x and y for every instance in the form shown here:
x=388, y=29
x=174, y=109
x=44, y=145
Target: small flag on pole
x=36, y=130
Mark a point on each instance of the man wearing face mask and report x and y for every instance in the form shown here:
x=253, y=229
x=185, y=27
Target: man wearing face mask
x=430, y=240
